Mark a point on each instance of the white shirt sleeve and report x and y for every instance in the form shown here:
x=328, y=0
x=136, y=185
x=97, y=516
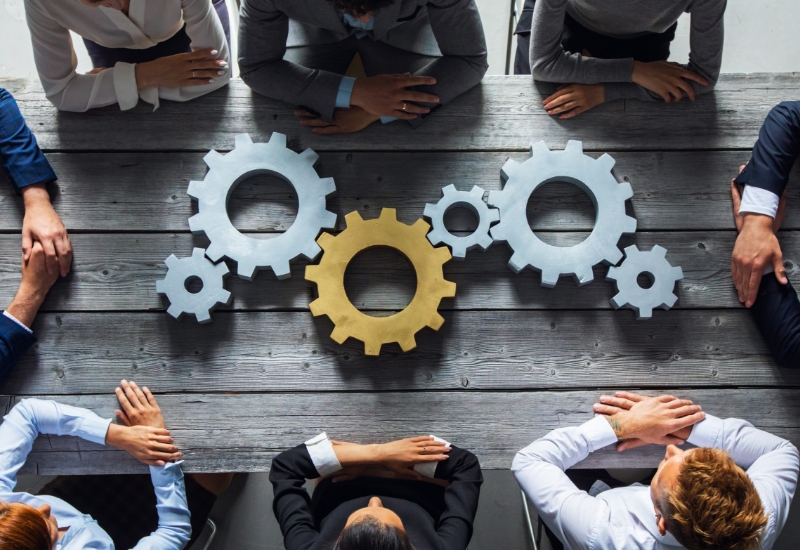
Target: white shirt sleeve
x=539, y=468
x=322, y=455
x=7, y=314
x=772, y=464
x=759, y=201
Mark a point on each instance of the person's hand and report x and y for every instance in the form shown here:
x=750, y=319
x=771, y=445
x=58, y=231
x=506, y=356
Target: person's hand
x=669, y=80
x=179, y=70
x=36, y=282
x=345, y=121
x=572, y=99
x=638, y=420
x=756, y=247
x=139, y=407
x=42, y=224
x=150, y=445
x=388, y=95
x=400, y=456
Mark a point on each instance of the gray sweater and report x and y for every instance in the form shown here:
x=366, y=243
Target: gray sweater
x=623, y=19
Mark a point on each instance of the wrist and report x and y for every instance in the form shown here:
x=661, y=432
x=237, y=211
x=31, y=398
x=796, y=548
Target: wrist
x=616, y=425
x=144, y=75
x=35, y=194
x=25, y=306
x=115, y=435
x=357, y=95
x=758, y=222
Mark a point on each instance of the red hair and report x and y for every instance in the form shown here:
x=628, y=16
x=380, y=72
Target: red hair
x=23, y=528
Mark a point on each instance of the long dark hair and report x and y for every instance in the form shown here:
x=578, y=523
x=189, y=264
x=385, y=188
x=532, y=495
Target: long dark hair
x=372, y=534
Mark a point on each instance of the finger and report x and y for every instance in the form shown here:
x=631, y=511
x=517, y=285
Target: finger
x=736, y=198
x=130, y=394
x=64, y=249
x=158, y=455
x=412, y=108
x=672, y=440
x=209, y=64
x=27, y=244
x=686, y=421
x=689, y=75
x=686, y=410
x=676, y=403
x=575, y=112
x=160, y=432
x=303, y=112
x=201, y=54
x=605, y=409
x=314, y=123
x=429, y=443
x=123, y=417
x=635, y=397
x=204, y=74
x=402, y=115
x=150, y=398
x=51, y=259
x=421, y=438
x=139, y=393
x=328, y=130
x=409, y=81
x=562, y=108
x=780, y=271
x=162, y=439
x=666, y=398
x=686, y=87
x=752, y=285
x=122, y=397
x=158, y=446
x=629, y=444
x=419, y=97
x=620, y=402
x=558, y=98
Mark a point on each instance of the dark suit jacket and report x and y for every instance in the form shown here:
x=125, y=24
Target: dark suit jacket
x=434, y=518
x=450, y=28
x=14, y=341
x=777, y=314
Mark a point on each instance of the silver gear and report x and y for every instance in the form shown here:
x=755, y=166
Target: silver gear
x=247, y=159
x=662, y=275
x=210, y=296
x=473, y=200
x=591, y=175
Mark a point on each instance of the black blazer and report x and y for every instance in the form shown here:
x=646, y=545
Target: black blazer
x=435, y=518
x=777, y=314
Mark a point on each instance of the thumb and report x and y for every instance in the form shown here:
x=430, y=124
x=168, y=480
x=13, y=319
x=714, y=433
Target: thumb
x=27, y=244
x=780, y=271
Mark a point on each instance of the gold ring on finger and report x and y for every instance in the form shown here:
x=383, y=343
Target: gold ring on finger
x=404, y=108
x=193, y=75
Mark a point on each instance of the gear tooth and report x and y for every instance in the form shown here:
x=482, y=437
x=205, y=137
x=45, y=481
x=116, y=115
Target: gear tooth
x=670, y=301
x=317, y=308
x=339, y=335
x=311, y=251
x=631, y=250
x=629, y=225
x=449, y=290
x=203, y=317
x=507, y=171
x=246, y=270
x=328, y=186
x=459, y=252
x=242, y=140
x=175, y=311
x=477, y=192
x=197, y=224
x=325, y=240
x=160, y=288
x=221, y=269
x=586, y=276
x=606, y=162
x=517, y=263
x=449, y=190
x=372, y=348
x=613, y=257
x=659, y=251
x=196, y=189
x=353, y=218
x=281, y=270
x=215, y=252
x=198, y=253
x=549, y=278
x=420, y=227
x=430, y=211
x=390, y=214
x=328, y=220
x=539, y=148
x=574, y=147
x=624, y=191
x=443, y=254
x=435, y=237
x=172, y=261
x=494, y=198
x=612, y=273
x=224, y=297
x=408, y=343
x=485, y=242
x=277, y=139
x=312, y=273
x=677, y=273
x=436, y=321
x=644, y=313
x=618, y=301
x=498, y=233
x=309, y=156
x=213, y=159
x=493, y=215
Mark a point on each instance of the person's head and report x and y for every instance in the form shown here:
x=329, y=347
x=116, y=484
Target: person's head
x=113, y=4
x=706, y=501
x=25, y=528
x=373, y=528
x=359, y=8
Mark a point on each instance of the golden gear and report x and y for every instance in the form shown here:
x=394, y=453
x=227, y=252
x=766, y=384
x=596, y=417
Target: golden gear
x=376, y=331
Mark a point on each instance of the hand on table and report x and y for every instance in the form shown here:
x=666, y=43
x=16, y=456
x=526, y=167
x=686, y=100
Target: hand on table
x=180, y=70
x=36, y=282
x=139, y=407
x=345, y=121
x=638, y=420
x=42, y=224
x=573, y=99
x=399, y=456
x=667, y=79
x=388, y=95
x=756, y=247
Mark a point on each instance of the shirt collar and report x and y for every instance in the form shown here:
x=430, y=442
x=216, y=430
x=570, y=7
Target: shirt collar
x=641, y=506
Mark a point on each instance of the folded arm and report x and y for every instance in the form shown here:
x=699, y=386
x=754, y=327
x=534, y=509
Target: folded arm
x=15, y=339
x=174, y=520
x=463, y=472
x=776, y=312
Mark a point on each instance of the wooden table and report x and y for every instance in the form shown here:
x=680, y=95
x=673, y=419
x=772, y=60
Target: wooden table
x=513, y=359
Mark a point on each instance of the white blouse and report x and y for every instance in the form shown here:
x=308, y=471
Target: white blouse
x=148, y=23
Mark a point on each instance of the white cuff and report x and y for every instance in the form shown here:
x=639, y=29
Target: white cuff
x=428, y=469
x=150, y=95
x=707, y=432
x=125, y=85
x=7, y=314
x=599, y=433
x=322, y=455
x=759, y=201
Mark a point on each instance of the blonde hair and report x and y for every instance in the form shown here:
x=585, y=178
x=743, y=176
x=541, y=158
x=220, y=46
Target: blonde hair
x=714, y=505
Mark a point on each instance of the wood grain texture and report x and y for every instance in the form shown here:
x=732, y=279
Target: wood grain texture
x=147, y=191
x=119, y=272
x=84, y=353
x=502, y=113
x=244, y=432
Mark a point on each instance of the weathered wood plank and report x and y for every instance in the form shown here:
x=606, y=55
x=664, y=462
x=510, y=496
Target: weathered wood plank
x=84, y=353
x=118, y=272
x=147, y=191
x=504, y=112
x=243, y=432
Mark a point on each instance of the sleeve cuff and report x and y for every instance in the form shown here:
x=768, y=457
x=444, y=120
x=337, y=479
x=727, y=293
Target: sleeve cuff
x=164, y=476
x=756, y=200
x=94, y=429
x=345, y=92
x=598, y=433
x=322, y=455
x=706, y=433
x=125, y=85
x=7, y=314
x=387, y=119
x=428, y=469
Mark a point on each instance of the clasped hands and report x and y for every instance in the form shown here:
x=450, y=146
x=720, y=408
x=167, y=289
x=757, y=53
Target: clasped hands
x=639, y=420
x=372, y=98
x=399, y=457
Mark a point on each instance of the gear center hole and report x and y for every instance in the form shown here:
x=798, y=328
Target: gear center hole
x=645, y=280
x=380, y=277
x=263, y=202
x=560, y=212
x=193, y=284
x=461, y=220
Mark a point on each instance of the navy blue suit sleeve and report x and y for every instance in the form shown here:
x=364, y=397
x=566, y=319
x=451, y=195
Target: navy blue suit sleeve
x=776, y=150
x=14, y=341
x=290, y=501
x=777, y=314
x=19, y=152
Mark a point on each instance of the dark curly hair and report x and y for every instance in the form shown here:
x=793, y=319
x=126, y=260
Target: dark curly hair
x=372, y=534
x=360, y=6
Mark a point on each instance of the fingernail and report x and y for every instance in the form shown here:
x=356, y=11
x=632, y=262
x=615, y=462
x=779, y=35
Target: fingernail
x=220, y=73
x=124, y=382
x=214, y=52
x=210, y=80
x=223, y=63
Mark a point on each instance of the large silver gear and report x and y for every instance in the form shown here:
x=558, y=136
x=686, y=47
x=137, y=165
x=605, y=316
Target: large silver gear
x=662, y=276
x=594, y=177
x=203, y=302
x=473, y=200
x=248, y=159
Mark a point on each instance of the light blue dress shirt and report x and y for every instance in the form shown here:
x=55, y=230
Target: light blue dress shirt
x=32, y=417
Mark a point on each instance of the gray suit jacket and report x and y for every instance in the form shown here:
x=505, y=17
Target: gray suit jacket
x=450, y=29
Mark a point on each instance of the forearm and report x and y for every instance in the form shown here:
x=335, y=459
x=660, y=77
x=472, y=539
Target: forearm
x=26, y=304
x=174, y=520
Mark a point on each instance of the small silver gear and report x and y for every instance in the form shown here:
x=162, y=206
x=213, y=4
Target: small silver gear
x=247, y=159
x=662, y=276
x=203, y=302
x=591, y=175
x=473, y=200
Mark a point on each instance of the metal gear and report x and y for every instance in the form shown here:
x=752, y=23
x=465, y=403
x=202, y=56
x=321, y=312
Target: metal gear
x=452, y=198
x=376, y=331
x=247, y=159
x=662, y=276
x=594, y=177
x=203, y=302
